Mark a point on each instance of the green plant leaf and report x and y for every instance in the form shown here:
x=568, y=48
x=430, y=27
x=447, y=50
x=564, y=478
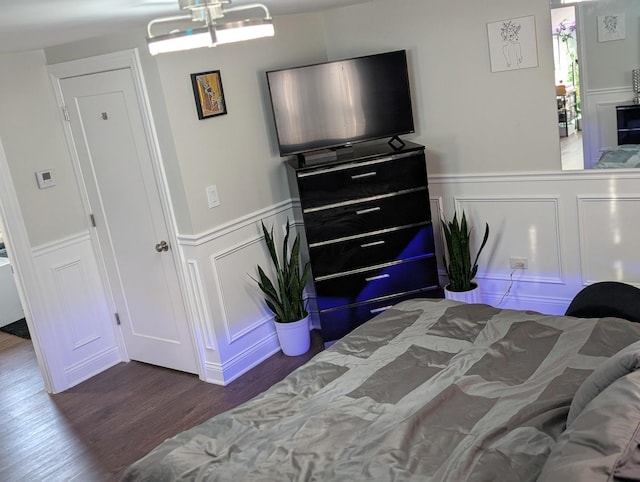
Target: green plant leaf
x=457, y=259
x=284, y=295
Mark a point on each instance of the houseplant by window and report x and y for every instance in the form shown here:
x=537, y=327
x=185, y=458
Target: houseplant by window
x=284, y=295
x=457, y=260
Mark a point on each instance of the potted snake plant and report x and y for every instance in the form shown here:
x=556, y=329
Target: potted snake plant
x=457, y=261
x=284, y=295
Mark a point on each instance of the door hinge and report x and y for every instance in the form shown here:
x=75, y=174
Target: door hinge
x=117, y=318
x=92, y=218
x=65, y=112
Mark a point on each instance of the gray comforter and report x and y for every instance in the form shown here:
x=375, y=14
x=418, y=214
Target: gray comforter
x=620, y=157
x=431, y=390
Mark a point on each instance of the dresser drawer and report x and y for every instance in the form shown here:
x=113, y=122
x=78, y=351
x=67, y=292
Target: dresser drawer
x=337, y=323
x=346, y=182
x=396, y=245
x=375, y=283
x=367, y=217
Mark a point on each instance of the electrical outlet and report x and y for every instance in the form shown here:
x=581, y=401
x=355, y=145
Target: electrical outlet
x=519, y=263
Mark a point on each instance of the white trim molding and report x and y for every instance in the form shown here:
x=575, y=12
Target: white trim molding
x=236, y=327
x=200, y=313
x=235, y=225
x=60, y=244
x=242, y=362
x=216, y=258
x=574, y=228
x=27, y=280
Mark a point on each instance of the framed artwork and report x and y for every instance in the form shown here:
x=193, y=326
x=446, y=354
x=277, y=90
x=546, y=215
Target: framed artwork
x=512, y=44
x=611, y=27
x=208, y=93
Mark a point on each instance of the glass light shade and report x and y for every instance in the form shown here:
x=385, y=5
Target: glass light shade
x=192, y=4
x=244, y=30
x=182, y=40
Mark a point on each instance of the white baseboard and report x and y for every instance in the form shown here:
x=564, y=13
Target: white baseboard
x=547, y=306
x=225, y=373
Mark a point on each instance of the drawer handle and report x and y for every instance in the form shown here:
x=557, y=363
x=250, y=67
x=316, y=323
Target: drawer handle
x=362, y=176
x=376, y=278
x=367, y=211
x=371, y=245
x=380, y=310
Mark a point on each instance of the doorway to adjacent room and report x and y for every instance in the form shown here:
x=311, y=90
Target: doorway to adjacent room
x=565, y=36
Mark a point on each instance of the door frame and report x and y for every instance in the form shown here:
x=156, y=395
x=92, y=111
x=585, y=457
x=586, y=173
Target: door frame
x=24, y=270
x=128, y=59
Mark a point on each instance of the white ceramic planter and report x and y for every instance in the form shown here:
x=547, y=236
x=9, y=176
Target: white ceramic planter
x=472, y=296
x=294, y=337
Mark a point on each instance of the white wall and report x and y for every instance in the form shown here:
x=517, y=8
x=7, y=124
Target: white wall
x=470, y=119
x=33, y=140
x=609, y=64
x=236, y=151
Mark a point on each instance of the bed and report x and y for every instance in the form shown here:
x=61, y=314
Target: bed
x=433, y=390
x=626, y=156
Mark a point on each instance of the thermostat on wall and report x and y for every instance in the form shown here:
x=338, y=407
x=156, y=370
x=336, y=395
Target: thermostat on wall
x=45, y=179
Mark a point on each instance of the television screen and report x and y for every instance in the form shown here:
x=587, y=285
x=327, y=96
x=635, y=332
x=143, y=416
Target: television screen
x=335, y=104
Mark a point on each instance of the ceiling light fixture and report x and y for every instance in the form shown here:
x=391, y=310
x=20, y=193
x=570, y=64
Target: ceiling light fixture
x=210, y=30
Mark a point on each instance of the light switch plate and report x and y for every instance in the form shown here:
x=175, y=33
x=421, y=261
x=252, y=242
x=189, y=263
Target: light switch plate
x=45, y=179
x=212, y=196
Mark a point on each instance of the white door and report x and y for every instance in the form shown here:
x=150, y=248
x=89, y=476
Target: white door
x=122, y=191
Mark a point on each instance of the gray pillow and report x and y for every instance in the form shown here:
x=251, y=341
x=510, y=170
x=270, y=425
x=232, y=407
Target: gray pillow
x=601, y=443
x=625, y=361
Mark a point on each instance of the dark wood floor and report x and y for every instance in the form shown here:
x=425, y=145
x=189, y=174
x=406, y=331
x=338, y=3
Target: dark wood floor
x=95, y=430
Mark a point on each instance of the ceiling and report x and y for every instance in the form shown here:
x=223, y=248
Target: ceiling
x=35, y=24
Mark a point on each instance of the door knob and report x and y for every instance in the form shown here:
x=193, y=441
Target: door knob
x=162, y=246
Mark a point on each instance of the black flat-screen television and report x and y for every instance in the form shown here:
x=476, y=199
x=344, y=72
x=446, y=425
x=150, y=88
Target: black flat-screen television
x=340, y=103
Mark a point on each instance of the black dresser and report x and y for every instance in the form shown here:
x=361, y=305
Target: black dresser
x=628, y=124
x=367, y=221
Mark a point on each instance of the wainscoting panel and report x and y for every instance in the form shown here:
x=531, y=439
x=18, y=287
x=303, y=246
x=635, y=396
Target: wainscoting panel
x=71, y=277
x=233, y=271
x=79, y=318
x=609, y=238
x=226, y=303
x=519, y=227
x=574, y=228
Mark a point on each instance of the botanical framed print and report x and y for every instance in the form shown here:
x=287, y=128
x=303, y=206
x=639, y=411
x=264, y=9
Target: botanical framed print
x=611, y=27
x=512, y=44
x=208, y=93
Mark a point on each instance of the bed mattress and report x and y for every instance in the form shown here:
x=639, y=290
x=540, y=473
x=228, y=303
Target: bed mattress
x=430, y=390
